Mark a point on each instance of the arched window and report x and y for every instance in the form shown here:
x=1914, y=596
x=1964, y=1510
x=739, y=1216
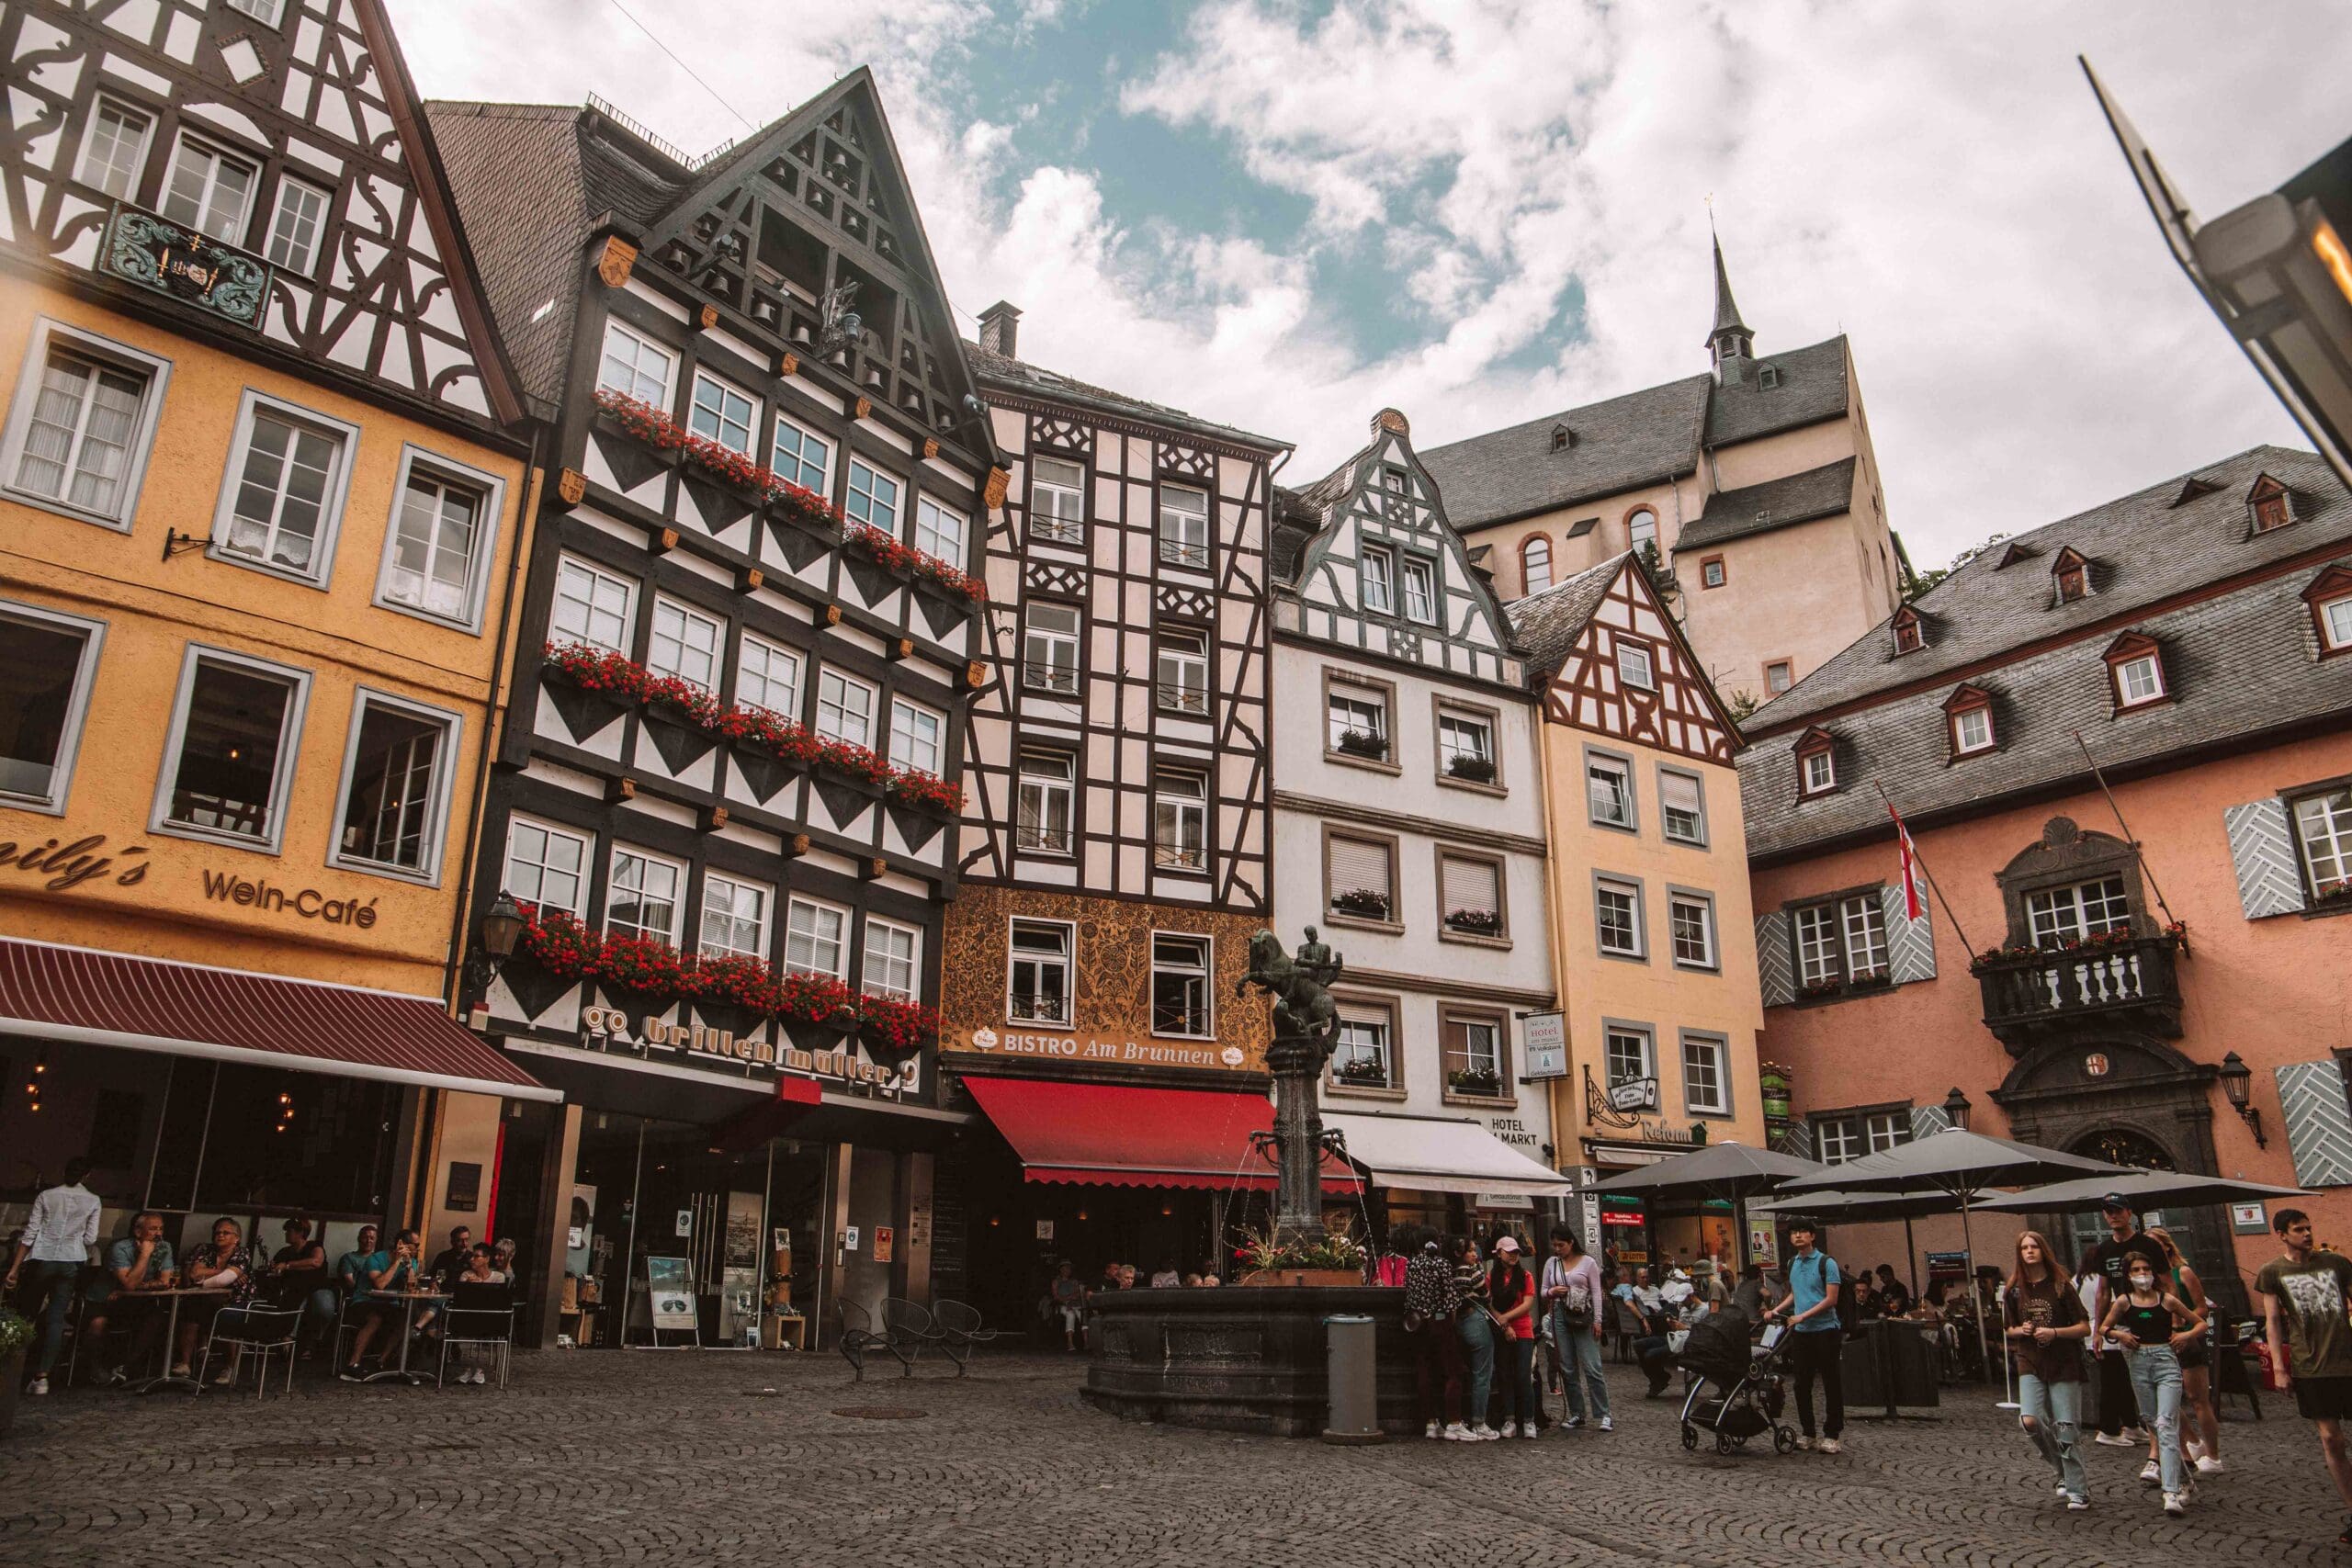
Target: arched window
x=1641, y=529
x=1534, y=563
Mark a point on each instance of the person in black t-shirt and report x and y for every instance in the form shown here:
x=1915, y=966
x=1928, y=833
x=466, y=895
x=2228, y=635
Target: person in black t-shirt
x=1895, y=1298
x=2119, y=1409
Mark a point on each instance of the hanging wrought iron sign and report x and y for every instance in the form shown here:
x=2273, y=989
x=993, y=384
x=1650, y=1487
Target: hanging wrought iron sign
x=162, y=255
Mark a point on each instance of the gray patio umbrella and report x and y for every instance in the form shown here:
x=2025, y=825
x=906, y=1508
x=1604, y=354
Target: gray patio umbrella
x=2144, y=1187
x=1719, y=1170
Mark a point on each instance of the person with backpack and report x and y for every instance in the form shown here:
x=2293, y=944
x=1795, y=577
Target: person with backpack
x=1431, y=1303
x=1573, y=1296
x=1816, y=1345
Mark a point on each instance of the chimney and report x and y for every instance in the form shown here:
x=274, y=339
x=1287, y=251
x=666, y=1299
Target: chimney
x=999, y=328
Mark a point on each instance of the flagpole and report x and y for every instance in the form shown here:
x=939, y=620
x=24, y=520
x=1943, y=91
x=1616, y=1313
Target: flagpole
x=2145, y=869
x=1902, y=832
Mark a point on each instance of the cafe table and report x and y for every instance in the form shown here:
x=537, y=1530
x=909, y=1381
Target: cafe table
x=167, y=1378
x=410, y=1301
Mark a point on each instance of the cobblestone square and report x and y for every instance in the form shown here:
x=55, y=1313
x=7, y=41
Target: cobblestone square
x=687, y=1458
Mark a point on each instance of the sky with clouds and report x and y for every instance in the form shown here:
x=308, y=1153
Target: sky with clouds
x=1284, y=215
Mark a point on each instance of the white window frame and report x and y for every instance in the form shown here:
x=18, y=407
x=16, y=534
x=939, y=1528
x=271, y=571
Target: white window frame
x=1066, y=960
x=269, y=13
x=1717, y=1049
x=1886, y=1130
x=1610, y=1033
x=2154, y=668
x=1180, y=806
x=2050, y=917
x=1972, y=731
x=1788, y=676
x=1534, y=562
x=1678, y=902
x=1415, y=573
x=1641, y=527
x=1207, y=973
x=640, y=344
x=1862, y=924
x=1174, y=524
x=1817, y=771
x=1819, y=933
x=490, y=513
x=1340, y=694
x=766, y=938
x=845, y=684
x=677, y=901
x=1383, y=603
x=805, y=439
x=585, y=876
x=315, y=246
x=876, y=924
x=1453, y=720
x=1642, y=674
x=1609, y=763
x=1184, y=653
x=772, y=654
x=1498, y=1058
x=596, y=574
x=84, y=161
x=2320, y=829
x=332, y=505
x=2335, y=620
x=944, y=544
x=1047, y=674
x=50, y=336
x=1666, y=814
x=427, y=872
x=1061, y=784
x=904, y=738
x=841, y=938
x=289, y=748
x=221, y=152
x=690, y=618
x=866, y=486
x=1631, y=890
x=77, y=704
x=1048, y=523
x=1372, y=1019
x=726, y=389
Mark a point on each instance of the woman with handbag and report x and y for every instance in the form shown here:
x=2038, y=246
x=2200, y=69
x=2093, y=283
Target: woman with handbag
x=1475, y=1323
x=1510, y=1288
x=1430, y=1301
x=1574, y=1296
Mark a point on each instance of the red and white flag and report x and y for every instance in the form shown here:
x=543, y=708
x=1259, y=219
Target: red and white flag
x=1915, y=902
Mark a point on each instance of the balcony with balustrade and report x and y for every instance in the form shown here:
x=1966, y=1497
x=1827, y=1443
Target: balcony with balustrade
x=2033, y=996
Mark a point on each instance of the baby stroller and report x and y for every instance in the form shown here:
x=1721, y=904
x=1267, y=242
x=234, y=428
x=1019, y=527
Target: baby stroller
x=1735, y=1389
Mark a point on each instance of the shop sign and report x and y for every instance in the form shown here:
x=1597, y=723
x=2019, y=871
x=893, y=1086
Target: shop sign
x=1071, y=1047
x=1511, y=1130
x=1634, y=1094
x=1763, y=1243
x=226, y=887
x=670, y=1287
x=167, y=258
x=1044, y=1230
x=69, y=865
x=1621, y=1217
x=1543, y=1045
x=885, y=1243
x=601, y=1028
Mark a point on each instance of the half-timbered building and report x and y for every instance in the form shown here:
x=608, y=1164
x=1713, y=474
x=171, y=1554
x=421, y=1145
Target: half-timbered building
x=1409, y=828
x=263, y=487
x=1117, y=846
x=1650, y=903
x=727, y=798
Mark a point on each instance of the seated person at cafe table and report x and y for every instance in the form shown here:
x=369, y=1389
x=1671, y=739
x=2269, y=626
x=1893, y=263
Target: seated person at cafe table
x=389, y=1273
x=503, y=1259
x=483, y=1286
x=297, y=1275
x=222, y=1264
x=136, y=1265
x=443, y=1270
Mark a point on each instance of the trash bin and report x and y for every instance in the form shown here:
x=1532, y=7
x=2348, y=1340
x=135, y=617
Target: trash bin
x=1355, y=1401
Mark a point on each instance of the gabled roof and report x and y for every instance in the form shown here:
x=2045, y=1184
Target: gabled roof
x=1810, y=386
x=1622, y=444
x=1006, y=374
x=1776, y=503
x=1547, y=625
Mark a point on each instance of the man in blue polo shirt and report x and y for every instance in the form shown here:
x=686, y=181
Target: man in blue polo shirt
x=1817, y=1342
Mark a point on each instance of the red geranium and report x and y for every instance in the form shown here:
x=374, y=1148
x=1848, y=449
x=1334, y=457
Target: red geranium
x=926, y=791
x=645, y=965
x=769, y=732
x=894, y=1024
x=901, y=557
x=559, y=944
x=594, y=668
x=734, y=980
x=815, y=999
x=682, y=696
x=853, y=759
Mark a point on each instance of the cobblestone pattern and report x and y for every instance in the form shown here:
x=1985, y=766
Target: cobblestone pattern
x=678, y=1459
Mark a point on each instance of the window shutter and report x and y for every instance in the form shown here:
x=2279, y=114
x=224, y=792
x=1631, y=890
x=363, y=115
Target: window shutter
x=1775, y=959
x=1470, y=885
x=1910, y=945
x=2319, y=1122
x=2262, y=847
x=1795, y=1140
x=1926, y=1121
x=1358, y=863
x=1681, y=794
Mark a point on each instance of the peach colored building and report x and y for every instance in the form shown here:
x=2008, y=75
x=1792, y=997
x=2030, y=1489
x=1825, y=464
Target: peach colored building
x=2191, y=640
x=1756, y=483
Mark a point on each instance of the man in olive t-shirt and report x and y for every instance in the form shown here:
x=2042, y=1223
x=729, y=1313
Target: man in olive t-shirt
x=2306, y=1299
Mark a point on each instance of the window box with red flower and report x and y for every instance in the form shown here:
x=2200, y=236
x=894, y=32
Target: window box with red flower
x=641, y=422
x=890, y=1026
x=852, y=764
x=818, y=1011
x=1813, y=990
x=1475, y=922
x=924, y=792
x=645, y=969
x=2329, y=893
x=732, y=991
x=600, y=671
x=1869, y=979
x=805, y=509
x=920, y=567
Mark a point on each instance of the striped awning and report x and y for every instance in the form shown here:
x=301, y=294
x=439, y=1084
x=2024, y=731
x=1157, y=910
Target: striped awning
x=91, y=998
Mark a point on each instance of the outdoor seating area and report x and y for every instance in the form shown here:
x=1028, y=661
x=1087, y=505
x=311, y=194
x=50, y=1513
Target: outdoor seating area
x=906, y=1329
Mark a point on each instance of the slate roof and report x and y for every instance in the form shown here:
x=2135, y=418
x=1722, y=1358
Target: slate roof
x=1020, y=378
x=1776, y=503
x=2241, y=665
x=1621, y=443
x=1295, y=521
x=1812, y=386
x=1547, y=624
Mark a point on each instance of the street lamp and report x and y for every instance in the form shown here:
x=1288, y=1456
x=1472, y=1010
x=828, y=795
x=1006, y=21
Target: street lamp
x=500, y=930
x=1956, y=1110
x=2237, y=1082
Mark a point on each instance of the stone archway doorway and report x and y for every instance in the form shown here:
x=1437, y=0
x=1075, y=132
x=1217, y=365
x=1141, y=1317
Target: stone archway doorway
x=2190, y=1228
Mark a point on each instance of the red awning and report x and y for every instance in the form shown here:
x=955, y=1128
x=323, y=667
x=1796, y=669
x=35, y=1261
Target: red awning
x=230, y=1015
x=748, y=1129
x=1116, y=1136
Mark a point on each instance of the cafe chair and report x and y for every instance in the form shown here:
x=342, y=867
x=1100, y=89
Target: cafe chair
x=348, y=1319
x=258, y=1332
x=476, y=1325
x=907, y=1328
x=858, y=1338
x=961, y=1330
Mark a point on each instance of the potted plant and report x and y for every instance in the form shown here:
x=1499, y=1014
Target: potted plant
x=892, y=1027
x=1475, y=769
x=1483, y=1081
x=15, y=1335
x=1362, y=902
x=1813, y=990
x=1362, y=743
x=646, y=970
x=732, y=991
x=818, y=1011
x=1475, y=922
x=1265, y=1257
x=924, y=792
x=1364, y=1072
x=1869, y=979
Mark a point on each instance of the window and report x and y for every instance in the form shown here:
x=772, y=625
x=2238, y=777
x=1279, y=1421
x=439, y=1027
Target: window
x=1690, y=920
x=114, y=149
x=915, y=737
x=2322, y=828
x=802, y=457
x=1972, y=729
x=1627, y=1056
x=1841, y=941
x=634, y=366
x=294, y=229
x=1465, y=746
x=1359, y=877
x=1364, y=1058
x=2269, y=503
x=233, y=741
x=1635, y=667
x=1534, y=564
x=642, y=896
x=1049, y=649
x=845, y=708
x=1609, y=790
x=1180, y=987
x=394, y=786
x=939, y=530
x=2335, y=619
x=735, y=915
x=1183, y=674
x=872, y=498
x=594, y=606
x=265, y=12
x=546, y=865
x=890, y=960
x=1358, y=722
x=1712, y=573
x=1641, y=529
x=2139, y=679
x=1681, y=807
x=76, y=434
x=1617, y=907
x=768, y=675
x=210, y=190
x=1470, y=895
x=685, y=643
x=1037, y=987
x=2074, y=580
x=1865, y=921
x=1908, y=636
x=1817, y=945
x=1817, y=769
x=1473, y=1055
x=1420, y=590
x=1838, y=1139
x=1778, y=677
x=812, y=938
x=436, y=560
x=287, y=497
x=1377, y=579
x=721, y=414
x=1183, y=526
x=1180, y=821
x=1045, y=800
x=50, y=660
x=1057, y=502
x=2055, y=915
x=1706, y=1075
x=1392, y=480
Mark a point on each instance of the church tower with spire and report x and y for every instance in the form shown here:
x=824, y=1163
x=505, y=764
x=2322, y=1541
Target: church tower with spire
x=1729, y=342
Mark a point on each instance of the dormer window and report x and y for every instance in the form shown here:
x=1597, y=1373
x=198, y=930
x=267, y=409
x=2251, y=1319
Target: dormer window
x=2070, y=576
x=1817, y=764
x=1968, y=715
x=2268, y=504
x=2135, y=671
x=1562, y=438
x=1909, y=636
x=1768, y=375
x=2330, y=597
